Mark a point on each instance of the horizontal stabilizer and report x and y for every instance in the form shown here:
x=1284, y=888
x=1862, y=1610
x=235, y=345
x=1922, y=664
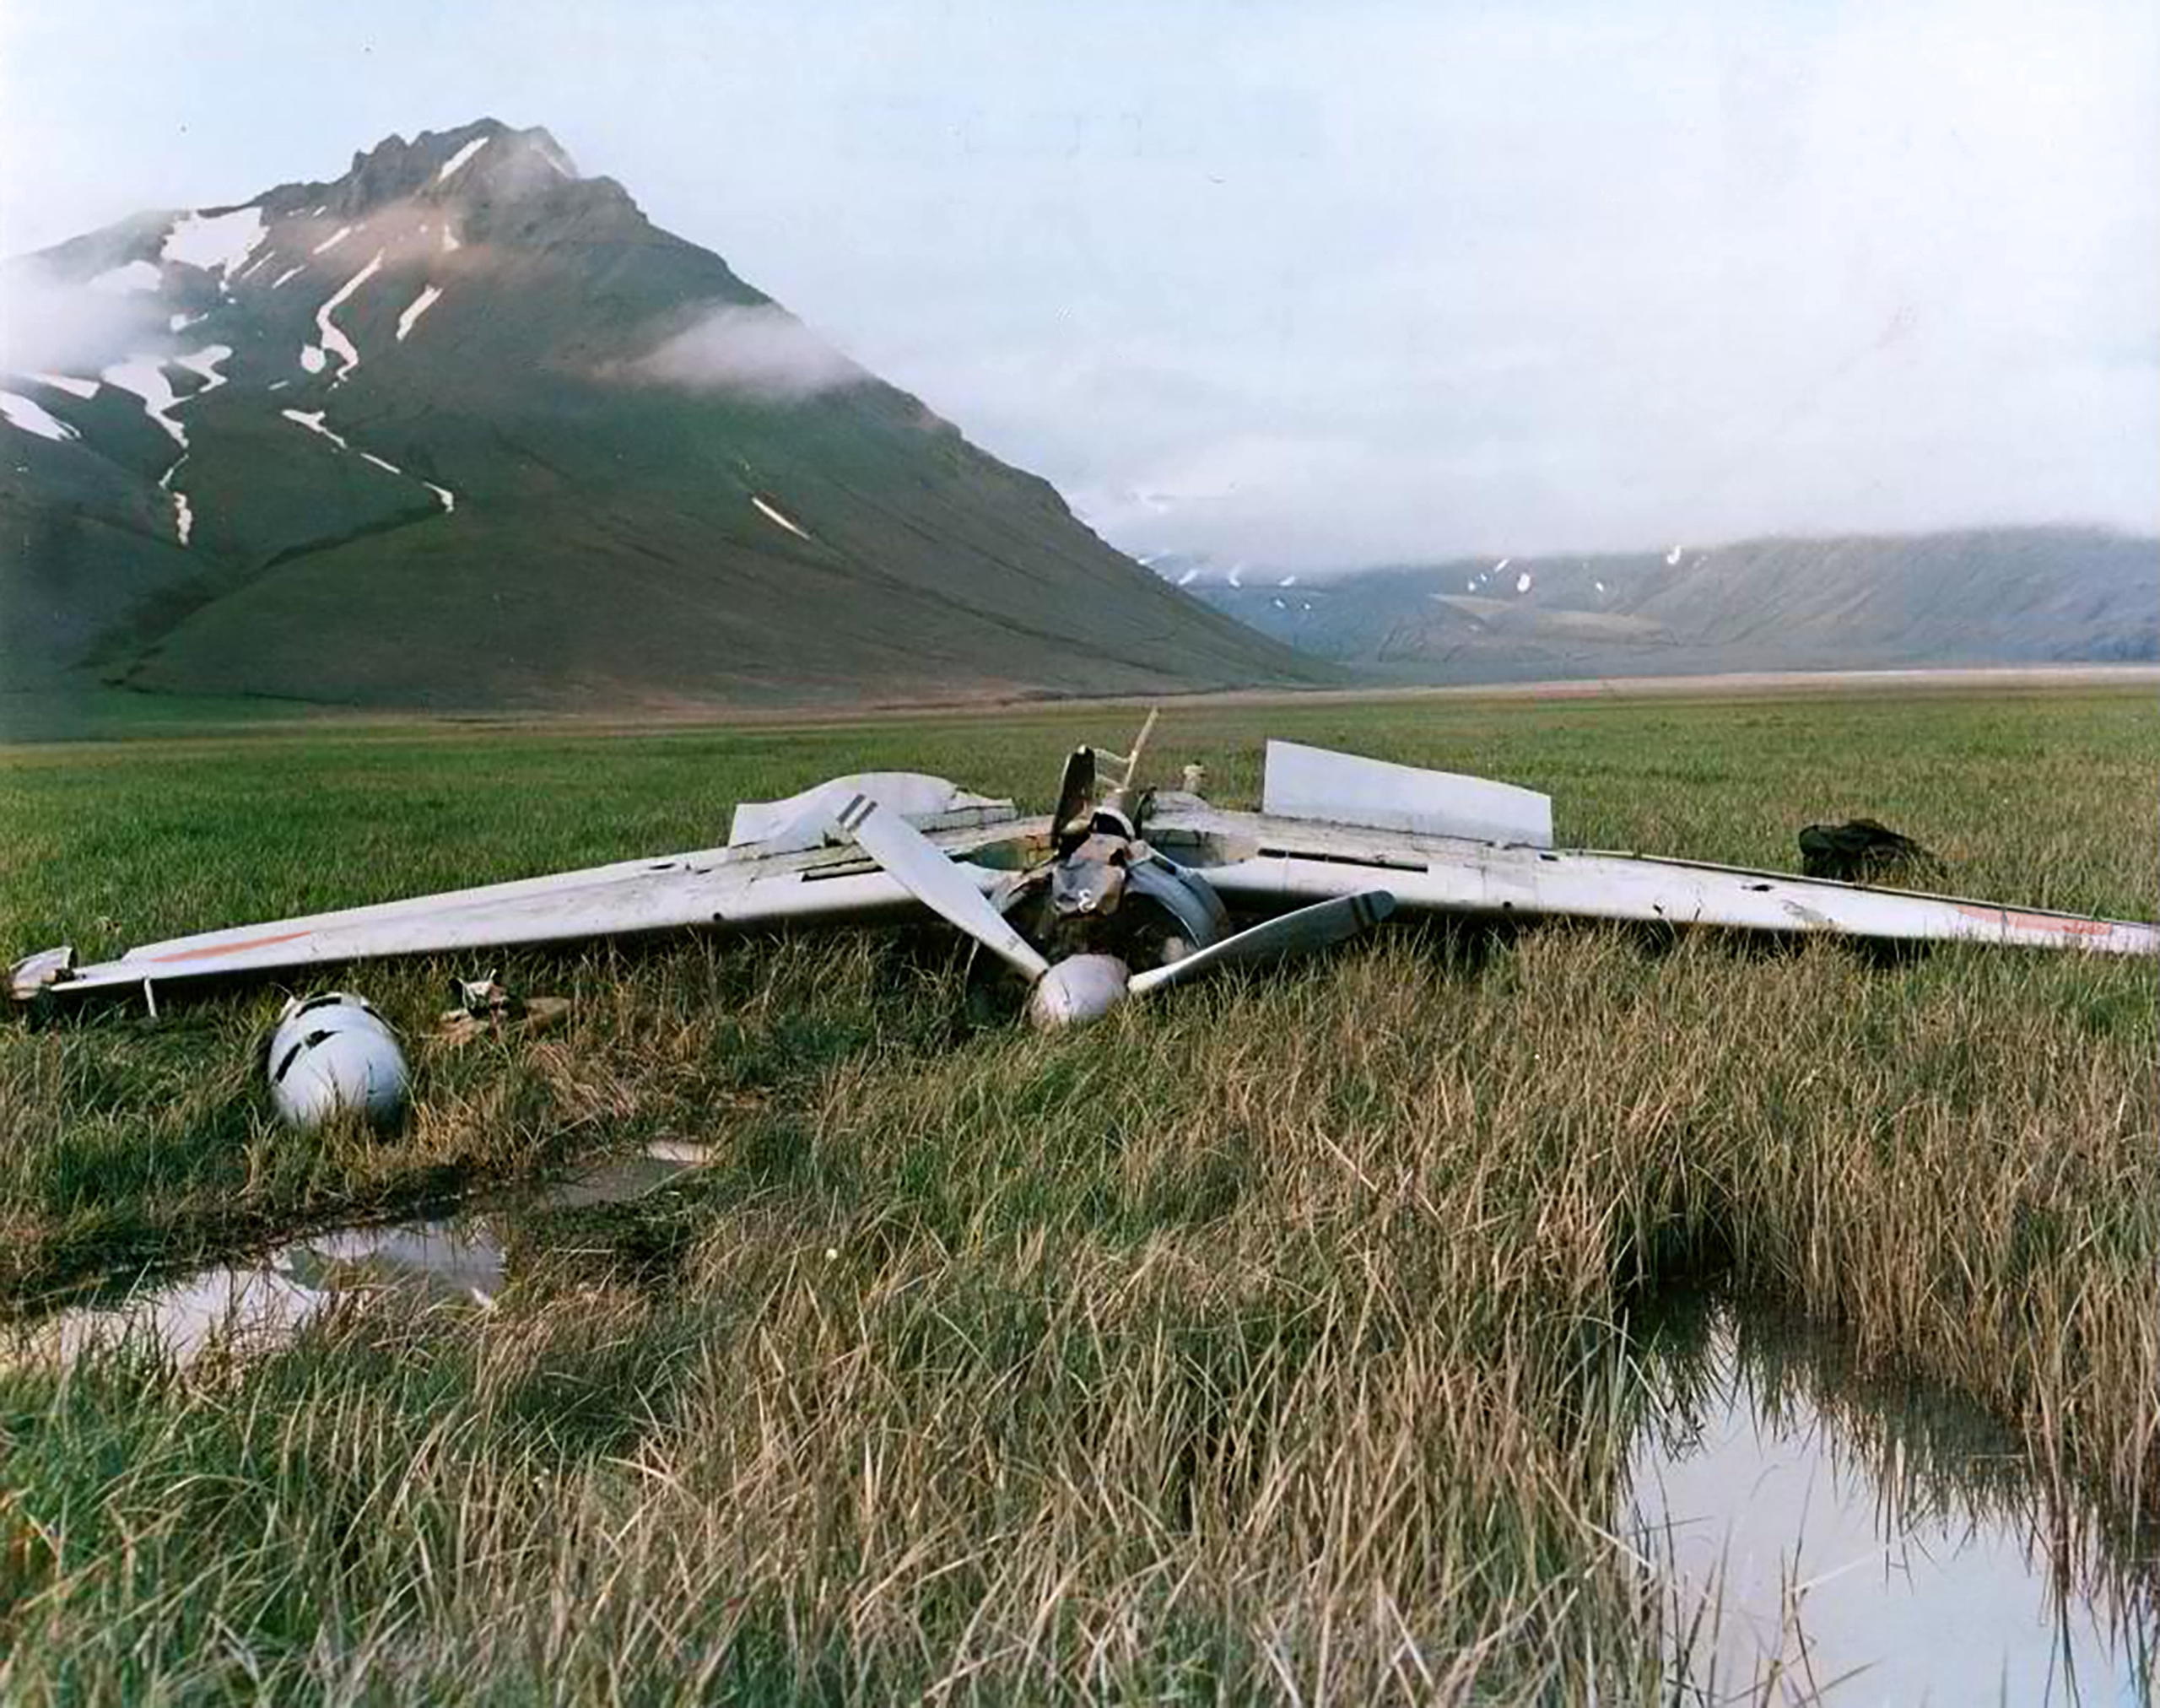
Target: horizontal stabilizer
x=1310, y=782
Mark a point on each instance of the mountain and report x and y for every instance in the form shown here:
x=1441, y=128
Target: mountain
x=1993, y=595
x=463, y=429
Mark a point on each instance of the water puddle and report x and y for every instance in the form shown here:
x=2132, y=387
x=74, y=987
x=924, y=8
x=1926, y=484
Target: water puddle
x=1866, y=1542
x=1817, y=1534
x=258, y=1304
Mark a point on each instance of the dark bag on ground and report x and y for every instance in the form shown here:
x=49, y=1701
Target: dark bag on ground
x=1861, y=851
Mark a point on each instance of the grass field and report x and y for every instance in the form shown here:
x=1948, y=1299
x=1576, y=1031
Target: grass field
x=1272, y=1342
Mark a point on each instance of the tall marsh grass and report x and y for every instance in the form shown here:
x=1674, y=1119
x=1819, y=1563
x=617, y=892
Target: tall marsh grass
x=1271, y=1342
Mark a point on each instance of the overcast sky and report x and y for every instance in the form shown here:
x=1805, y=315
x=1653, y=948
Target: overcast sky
x=1304, y=284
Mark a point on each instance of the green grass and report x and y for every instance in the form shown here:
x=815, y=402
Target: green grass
x=1266, y=1341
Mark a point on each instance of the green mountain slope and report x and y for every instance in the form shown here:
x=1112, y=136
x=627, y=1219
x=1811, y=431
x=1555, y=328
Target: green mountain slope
x=463, y=429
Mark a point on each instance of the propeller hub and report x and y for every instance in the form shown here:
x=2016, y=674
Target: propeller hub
x=1079, y=989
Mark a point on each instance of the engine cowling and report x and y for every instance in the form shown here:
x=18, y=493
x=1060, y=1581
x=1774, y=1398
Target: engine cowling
x=332, y=1053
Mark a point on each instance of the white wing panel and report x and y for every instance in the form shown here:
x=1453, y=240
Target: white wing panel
x=1529, y=882
x=630, y=897
x=1312, y=783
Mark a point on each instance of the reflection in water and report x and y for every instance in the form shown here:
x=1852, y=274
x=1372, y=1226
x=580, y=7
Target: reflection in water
x=1872, y=1540
x=258, y=1304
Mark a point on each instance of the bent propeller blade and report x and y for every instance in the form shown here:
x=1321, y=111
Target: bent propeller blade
x=1075, y=789
x=936, y=881
x=1301, y=932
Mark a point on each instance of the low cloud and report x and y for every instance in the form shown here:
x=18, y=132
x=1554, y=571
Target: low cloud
x=49, y=324
x=761, y=351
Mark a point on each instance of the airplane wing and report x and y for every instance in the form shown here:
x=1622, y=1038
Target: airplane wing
x=770, y=880
x=1255, y=859
x=1332, y=825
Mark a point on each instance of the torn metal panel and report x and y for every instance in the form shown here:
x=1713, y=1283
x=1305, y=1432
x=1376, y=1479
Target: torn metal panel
x=38, y=972
x=1312, y=783
x=805, y=820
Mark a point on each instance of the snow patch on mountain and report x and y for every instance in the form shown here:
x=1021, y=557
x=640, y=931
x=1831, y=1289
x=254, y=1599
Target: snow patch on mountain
x=419, y=306
x=312, y=420
x=312, y=358
x=32, y=417
x=132, y=276
x=332, y=240
x=450, y=243
x=334, y=340
x=204, y=362
x=288, y=274
x=444, y=496
x=216, y=243
x=69, y=384
x=460, y=158
x=183, y=513
x=772, y=514
x=145, y=377
x=380, y=463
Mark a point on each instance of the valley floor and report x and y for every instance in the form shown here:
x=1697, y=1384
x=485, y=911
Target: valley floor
x=105, y=713
x=1279, y=1342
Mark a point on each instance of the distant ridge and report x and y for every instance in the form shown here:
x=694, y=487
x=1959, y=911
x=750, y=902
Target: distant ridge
x=462, y=429
x=1988, y=595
